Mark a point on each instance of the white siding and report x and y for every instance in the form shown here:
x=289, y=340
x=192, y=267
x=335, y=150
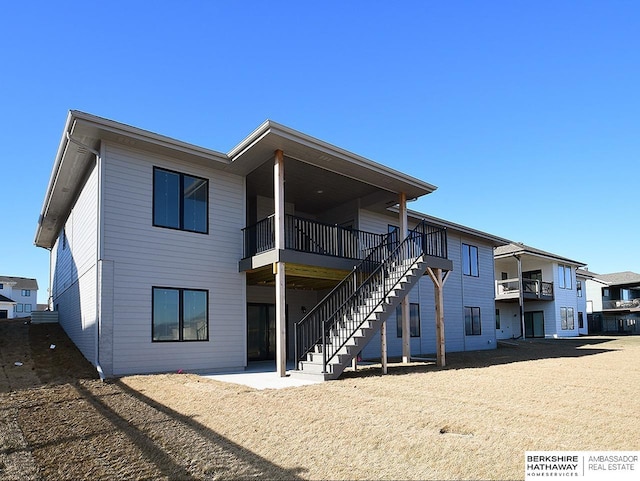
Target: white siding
x=144, y=256
x=74, y=270
x=582, y=306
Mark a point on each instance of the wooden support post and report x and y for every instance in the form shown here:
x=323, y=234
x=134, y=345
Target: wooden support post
x=438, y=284
x=279, y=267
x=404, y=305
x=439, y=300
x=383, y=347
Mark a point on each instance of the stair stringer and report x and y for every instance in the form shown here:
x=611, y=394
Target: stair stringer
x=371, y=324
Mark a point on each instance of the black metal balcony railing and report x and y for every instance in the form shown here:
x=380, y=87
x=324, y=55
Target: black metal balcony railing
x=531, y=288
x=366, y=287
x=621, y=304
x=314, y=237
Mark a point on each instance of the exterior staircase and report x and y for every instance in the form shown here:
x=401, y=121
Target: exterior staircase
x=334, y=332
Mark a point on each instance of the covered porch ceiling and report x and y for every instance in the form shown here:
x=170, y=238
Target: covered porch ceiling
x=318, y=175
x=298, y=276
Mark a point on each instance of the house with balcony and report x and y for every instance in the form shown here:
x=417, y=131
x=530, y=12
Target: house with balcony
x=18, y=297
x=536, y=293
x=167, y=256
x=614, y=301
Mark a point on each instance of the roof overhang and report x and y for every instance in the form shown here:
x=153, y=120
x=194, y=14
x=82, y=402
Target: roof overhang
x=261, y=144
x=84, y=134
x=542, y=255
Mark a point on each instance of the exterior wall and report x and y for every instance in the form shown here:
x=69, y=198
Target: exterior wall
x=73, y=270
x=510, y=321
x=582, y=307
x=296, y=301
x=459, y=291
x=562, y=298
x=7, y=306
x=594, y=294
x=142, y=256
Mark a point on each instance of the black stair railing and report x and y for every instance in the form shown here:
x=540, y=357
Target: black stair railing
x=334, y=320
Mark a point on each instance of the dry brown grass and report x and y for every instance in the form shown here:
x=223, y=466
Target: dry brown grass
x=472, y=420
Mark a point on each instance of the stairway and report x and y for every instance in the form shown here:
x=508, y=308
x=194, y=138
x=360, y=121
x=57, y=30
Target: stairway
x=330, y=336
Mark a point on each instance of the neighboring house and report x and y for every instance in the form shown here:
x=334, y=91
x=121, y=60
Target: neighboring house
x=170, y=256
x=537, y=290
x=18, y=296
x=615, y=301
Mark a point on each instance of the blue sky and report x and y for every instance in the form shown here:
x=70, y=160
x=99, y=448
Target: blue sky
x=524, y=114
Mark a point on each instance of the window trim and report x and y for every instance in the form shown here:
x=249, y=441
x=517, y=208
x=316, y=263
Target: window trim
x=181, y=291
x=181, y=176
x=468, y=248
x=473, y=310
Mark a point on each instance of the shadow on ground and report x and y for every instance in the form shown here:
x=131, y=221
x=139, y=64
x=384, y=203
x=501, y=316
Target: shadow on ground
x=511, y=352
x=63, y=423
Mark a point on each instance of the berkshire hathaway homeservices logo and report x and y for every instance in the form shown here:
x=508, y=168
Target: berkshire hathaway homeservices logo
x=583, y=465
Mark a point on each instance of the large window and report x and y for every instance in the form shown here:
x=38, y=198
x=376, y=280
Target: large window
x=27, y=308
x=472, y=324
x=469, y=260
x=566, y=318
x=18, y=307
x=26, y=292
x=180, y=314
x=414, y=320
x=180, y=201
x=564, y=277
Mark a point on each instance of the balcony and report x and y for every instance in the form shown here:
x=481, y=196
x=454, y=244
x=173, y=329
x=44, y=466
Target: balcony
x=509, y=289
x=312, y=237
x=621, y=304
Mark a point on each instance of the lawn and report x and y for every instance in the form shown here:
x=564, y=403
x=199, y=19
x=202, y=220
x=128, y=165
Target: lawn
x=471, y=420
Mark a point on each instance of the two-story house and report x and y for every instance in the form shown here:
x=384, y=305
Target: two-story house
x=18, y=296
x=536, y=293
x=167, y=255
x=614, y=301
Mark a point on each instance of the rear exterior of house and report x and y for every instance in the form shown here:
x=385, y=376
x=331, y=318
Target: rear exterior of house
x=18, y=297
x=538, y=290
x=615, y=303
x=168, y=256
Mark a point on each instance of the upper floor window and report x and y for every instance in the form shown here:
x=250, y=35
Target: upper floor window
x=564, y=277
x=180, y=201
x=605, y=292
x=469, y=260
x=414, y=320
x=26, y=292
x=579, y=288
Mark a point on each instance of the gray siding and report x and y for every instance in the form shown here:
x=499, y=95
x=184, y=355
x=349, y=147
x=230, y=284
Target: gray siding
x=74, y=270
x=144, y=256
x=459, y=291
